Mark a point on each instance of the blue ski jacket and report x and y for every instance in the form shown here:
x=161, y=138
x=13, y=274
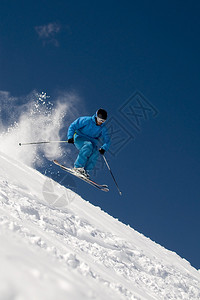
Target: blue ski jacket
x=87, y=127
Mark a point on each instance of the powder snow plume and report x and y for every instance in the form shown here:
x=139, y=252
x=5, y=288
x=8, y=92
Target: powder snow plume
x=35, y=118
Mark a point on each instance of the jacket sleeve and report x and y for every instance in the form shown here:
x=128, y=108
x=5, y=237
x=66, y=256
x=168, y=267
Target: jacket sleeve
x=77, y=124
x=106, y=139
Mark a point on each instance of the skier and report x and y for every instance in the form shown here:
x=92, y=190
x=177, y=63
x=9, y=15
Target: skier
x=85, y=133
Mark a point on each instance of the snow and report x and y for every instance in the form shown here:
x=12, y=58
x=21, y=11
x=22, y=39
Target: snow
x=56, y=245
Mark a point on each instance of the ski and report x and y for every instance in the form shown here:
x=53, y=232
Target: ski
x=102, y=187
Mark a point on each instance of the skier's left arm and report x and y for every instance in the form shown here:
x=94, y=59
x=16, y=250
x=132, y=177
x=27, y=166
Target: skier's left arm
x=106, y=139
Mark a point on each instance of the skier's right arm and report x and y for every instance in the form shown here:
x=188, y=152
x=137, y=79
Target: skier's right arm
x=77, y=124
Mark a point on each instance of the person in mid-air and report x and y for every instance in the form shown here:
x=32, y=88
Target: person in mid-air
x=86, y=133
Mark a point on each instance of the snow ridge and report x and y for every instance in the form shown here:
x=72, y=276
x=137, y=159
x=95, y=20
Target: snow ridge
x=78, y=251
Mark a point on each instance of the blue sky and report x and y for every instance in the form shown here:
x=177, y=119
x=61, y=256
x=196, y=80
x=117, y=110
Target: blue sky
x=112, y=54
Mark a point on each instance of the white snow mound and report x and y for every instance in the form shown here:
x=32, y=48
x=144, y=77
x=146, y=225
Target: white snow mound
x=55, y=245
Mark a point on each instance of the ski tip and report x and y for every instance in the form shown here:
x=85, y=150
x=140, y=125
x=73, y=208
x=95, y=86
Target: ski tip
x=105, y=189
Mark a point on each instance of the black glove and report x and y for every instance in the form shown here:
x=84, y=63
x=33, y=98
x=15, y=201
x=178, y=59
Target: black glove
x=102, y=151
x=71, y=141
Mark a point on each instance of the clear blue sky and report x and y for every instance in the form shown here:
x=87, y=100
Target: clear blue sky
x=106, y=51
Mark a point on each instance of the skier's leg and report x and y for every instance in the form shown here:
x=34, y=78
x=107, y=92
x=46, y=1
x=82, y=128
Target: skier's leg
x=92, y=159
x=85, y=150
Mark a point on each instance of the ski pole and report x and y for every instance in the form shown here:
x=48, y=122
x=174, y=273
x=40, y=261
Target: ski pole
x=112, y=175
x=36, y=143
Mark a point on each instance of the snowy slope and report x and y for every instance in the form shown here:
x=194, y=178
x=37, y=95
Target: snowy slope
x=55, y=245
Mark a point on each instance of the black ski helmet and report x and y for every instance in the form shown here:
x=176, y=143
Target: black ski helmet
x=102, y=113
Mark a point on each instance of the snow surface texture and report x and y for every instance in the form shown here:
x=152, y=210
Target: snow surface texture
x=55, y=245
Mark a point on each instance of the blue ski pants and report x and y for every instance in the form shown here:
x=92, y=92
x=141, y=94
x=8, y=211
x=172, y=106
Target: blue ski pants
x=88, y=153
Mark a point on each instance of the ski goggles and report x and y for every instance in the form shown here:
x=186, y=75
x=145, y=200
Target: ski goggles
x=100, y=120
